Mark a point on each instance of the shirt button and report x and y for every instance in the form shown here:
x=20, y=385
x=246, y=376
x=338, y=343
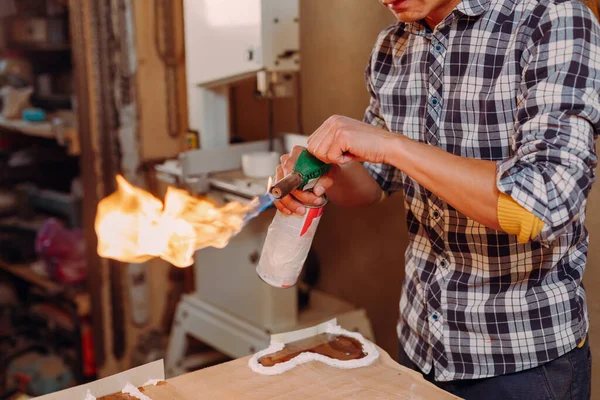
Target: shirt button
x=443, y=263
x=439, y=48
x=435, y=316
x=434, y=101
x=436, y=214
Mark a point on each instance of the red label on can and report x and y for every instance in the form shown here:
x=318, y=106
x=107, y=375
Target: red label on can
x=312, y=214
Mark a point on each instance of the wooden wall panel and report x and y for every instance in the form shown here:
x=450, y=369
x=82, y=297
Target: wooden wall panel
x=362, y=251
x=153, y=130
x=250, y=118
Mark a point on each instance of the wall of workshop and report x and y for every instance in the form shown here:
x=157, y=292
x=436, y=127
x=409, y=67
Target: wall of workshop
x=361, y=250
x=155, y=141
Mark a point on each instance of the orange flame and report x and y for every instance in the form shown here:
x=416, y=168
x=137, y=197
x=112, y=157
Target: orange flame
x=133, y=226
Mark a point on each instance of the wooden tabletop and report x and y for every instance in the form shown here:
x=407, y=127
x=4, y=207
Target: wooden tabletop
x=385, y=379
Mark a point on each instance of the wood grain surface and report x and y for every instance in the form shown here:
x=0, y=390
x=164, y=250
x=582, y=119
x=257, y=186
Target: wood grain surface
x=385, y=379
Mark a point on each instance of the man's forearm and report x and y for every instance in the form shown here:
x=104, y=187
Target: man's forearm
x=354, y=187
x=469, y=185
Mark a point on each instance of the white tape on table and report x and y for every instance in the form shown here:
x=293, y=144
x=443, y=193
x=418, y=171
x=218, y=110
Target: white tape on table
x=260, y=164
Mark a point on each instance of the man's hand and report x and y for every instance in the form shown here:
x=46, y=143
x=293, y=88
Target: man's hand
x=294, y=203
x=341, y=140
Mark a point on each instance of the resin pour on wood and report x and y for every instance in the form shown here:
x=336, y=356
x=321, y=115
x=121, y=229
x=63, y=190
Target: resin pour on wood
x=339, y=347
x=327, y=343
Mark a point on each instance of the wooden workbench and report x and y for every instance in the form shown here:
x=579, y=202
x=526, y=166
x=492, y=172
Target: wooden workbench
x=385, y=379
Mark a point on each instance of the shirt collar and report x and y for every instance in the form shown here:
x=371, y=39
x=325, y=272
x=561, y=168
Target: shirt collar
x=470, y=8
x=473, y=8
x=416, y=28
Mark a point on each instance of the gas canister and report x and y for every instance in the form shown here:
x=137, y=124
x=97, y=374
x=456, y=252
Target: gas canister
x=286, y=247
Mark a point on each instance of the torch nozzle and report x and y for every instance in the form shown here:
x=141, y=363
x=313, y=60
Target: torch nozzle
x=286, y=185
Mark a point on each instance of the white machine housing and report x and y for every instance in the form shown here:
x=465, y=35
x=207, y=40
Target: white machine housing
x=231, y=40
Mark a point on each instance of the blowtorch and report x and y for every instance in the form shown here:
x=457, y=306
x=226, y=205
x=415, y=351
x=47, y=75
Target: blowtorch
x=307, y=171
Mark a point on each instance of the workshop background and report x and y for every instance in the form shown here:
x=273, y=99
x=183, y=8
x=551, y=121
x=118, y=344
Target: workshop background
x=93, y=89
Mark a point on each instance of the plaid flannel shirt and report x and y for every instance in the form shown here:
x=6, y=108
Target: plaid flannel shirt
x=516, y=82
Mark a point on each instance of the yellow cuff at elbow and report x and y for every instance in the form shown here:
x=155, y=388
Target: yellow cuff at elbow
x=516, y=220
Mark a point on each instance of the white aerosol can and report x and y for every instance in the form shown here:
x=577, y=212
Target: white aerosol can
x=287, y=244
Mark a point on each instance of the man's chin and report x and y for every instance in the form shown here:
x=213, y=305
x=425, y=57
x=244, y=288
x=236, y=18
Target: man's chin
x=408, y=17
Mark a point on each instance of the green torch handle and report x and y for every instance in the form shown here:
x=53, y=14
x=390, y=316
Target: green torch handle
x=307, y=170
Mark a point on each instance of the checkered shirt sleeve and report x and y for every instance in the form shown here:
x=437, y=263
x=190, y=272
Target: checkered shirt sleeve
x=552, y=169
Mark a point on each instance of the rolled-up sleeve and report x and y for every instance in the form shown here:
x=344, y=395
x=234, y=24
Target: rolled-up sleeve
x=552, y=167
x=388, y=177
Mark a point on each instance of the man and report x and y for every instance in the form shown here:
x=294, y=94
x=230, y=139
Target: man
x=485, y=113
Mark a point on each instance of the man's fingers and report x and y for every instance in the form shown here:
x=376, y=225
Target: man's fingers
x=288, y=161
x=323, y=184
x=293, y=205
x=296, y=150
x=282, y=208
x=279, y=173
x=307, y=197
x=315, y=140
x=323, y=139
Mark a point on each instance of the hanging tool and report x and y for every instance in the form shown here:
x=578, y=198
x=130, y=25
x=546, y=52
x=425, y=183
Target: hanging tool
x=307, y=171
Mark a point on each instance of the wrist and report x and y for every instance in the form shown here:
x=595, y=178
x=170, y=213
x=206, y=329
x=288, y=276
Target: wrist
x=394, y=146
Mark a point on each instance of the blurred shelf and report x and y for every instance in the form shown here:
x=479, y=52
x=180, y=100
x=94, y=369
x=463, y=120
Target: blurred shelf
x=41, y=129
x=25, y=272
x=41, y=46
x=33, y=224
x=66, y=135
